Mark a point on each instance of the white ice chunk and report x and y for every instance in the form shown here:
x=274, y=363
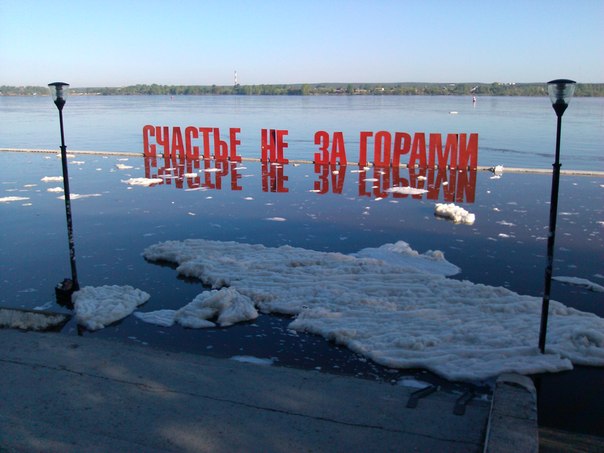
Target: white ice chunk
x=164, y=318
x=77, y=196
x=395, y=313
x=401, y=254
x=252, y=359
x=581, y=282
x=407, y=190
x=123, y=166
x=97, y=307
x=12, y=199
x=143, y=181
x=412, y=383
x=453, y=212
x=226, y=304
x=52, y=179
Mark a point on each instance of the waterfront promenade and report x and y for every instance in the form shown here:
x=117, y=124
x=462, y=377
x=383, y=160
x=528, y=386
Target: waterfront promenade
x=62, y=393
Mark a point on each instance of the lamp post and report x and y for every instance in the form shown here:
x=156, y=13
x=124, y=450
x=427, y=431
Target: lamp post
x=64, y=290
x=560, y=91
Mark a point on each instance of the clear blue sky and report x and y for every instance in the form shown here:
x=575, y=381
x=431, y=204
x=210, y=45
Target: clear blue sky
x=196, y=42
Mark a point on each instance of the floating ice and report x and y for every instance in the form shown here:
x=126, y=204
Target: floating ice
x=252, y=359
x=395, y=313
x=123, y=167
x=276, y=219
x=11, y=199
x=77, y=196
x=583, y=282
x=413, y=383
x=226, y=307
x=97, y=307
x=52, y=179
x=143, y=181
x=54, y=189
x=406, y=190
x=453, y=212
x=30, y=320
x=164, y=318
x=401, y=254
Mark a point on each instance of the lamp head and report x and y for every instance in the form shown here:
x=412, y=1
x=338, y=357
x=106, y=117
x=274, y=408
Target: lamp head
x=560, y=91
x=58, y=91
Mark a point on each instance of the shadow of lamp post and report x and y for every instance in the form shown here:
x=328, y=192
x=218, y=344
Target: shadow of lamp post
x=63, y=290
x=560, y=91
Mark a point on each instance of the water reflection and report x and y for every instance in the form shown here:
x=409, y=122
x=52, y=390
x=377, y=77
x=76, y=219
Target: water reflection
x=446, y=184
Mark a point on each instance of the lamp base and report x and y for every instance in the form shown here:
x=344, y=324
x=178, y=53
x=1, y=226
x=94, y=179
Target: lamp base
x=63, y=292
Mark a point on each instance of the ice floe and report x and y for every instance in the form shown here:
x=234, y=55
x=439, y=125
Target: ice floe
x=143, y=181
x=583, y=282
x=123, y=166
x=252, y=359
x=382, y=304
x=406, y=190
x=77, y=196
x=97, y=307
x=52, y=179
x=12, y=199
x=226, y=306
x=457, y=214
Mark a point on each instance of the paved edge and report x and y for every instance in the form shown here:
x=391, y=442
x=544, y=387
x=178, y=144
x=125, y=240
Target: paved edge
x=86, y=381
x=512, y=422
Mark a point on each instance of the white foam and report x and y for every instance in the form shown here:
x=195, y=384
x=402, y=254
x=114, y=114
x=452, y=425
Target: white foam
x=412, y=383
x=226, y=305
x=12, y=199
x=77, y=196
x=97, y=307
x=583, y=282
x=457, y=214
x=252, y=359
x=395, y=313
x=123, y=167
x=52, y=179
x=164, y=318
x=406, y=190
x=143, y=181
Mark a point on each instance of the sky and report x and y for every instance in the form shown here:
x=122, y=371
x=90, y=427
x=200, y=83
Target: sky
x=90, y=43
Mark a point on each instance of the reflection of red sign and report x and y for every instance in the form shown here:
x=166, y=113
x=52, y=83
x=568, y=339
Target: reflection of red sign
x=456, y=185
x=450, y=185
x=184, y=170
x=273, y=178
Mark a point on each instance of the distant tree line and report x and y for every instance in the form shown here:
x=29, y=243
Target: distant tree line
x=381, y=89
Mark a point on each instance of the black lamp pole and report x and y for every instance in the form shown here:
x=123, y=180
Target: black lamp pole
x=560, y=91
x=58, y=91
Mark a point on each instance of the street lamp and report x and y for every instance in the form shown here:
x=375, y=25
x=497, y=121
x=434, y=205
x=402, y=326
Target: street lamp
x=560, y=91
x=63, y=291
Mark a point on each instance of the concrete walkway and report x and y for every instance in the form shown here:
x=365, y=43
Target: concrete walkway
x=64, y=394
